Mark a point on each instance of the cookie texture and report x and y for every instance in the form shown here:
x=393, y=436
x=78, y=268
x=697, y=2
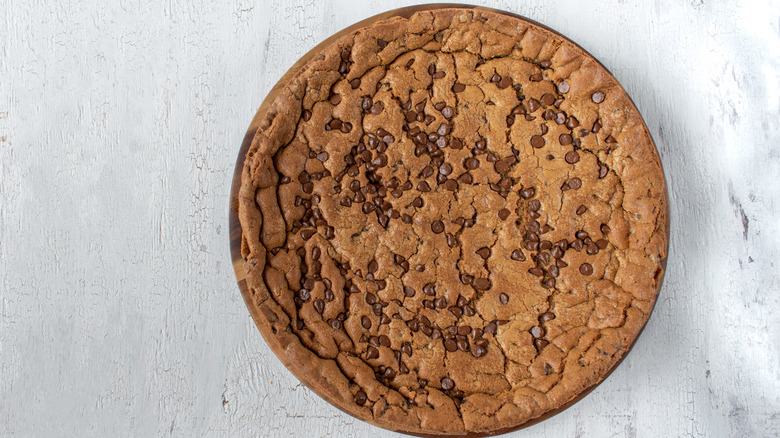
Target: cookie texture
x=452, y=222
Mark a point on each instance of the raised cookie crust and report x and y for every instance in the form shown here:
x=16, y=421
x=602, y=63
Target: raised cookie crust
x=452, y=223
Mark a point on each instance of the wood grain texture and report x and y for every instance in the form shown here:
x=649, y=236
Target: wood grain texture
x=119, y=128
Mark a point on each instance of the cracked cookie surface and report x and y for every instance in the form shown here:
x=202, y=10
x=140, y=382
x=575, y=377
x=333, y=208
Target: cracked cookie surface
x=452, y=223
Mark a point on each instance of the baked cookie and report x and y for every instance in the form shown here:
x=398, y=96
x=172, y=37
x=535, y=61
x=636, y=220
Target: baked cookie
x=453, y=222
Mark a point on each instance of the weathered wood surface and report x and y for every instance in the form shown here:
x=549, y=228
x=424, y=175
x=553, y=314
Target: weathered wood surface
x=119, y=128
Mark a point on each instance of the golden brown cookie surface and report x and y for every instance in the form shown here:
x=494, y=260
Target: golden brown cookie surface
x=452, y=223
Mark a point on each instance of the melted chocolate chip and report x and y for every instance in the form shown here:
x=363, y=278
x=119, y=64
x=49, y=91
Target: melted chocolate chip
x=482, y=284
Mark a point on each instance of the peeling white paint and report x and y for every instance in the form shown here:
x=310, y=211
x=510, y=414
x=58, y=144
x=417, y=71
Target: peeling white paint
x=119, y=128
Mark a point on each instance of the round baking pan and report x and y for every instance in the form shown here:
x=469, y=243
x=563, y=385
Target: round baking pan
x=235, y=226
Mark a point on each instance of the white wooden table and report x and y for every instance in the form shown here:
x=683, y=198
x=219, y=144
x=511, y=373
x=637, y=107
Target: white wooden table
x=120, y=122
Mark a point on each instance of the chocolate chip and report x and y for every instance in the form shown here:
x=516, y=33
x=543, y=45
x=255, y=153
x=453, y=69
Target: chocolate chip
x=360, y=398
x=537, y=331
x=447, y=383
x=444, y=129
x=451, y=240
x=503, y=214
x=565, y=139
x=603, y=171
x=528, y=192
x=517, y=255
x=501, y=166
x=429, y=289
x=533, y=105
x=445, y=169
x=377, y=108
x=479, y=351
x=572, y=157
x=466, y=278
x=537, y=141
x=505, y=82
x=471, y=163
x=437, y=227
x=484, y=252
x=463, y=342
x=440, y=302
x=306, y=115
x=536, y=77
x=458, y=87
x=384, y=341
x=563, y=87
x=335, y=99
x=598, y=97
x=610, y=139
x=536, y=271
x=372, y=353
x=504, y=298
x=482, y=284
x=451, y=346
x=307, y=234
x=586, y=269
x=548, y=99
x=448, y=112
x=540, y=343
x=575, y=183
